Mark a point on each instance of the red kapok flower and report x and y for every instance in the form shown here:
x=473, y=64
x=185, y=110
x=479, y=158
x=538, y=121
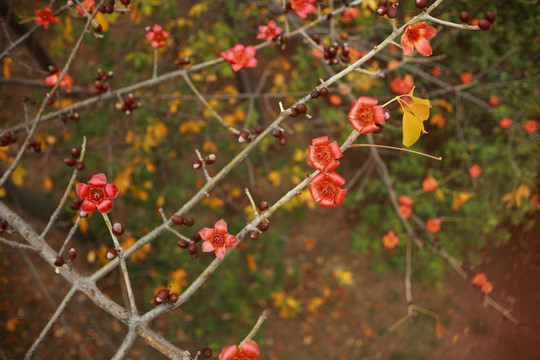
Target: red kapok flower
x=466, y=77
x=157, y=36
x=390, y=240
x=240, y=57
x=51, y=80
x=270, y=31
x=88, y=5
x=487, y=288
x=303, y=7
x=406, y=200
x=415, y=36
x=45, y=18
x=505, y=123
x=402, y=85
x=248, y=351
x=323, y=155
x=325, y=188
x=97, y=194
x=365, y=115
x=217, y=239
x=433, y=225
x=531, y=126
x=429, y=184
x=475, y=171
x=405, y=211
x=479, y=279
x=350, y=14
x=493, y=100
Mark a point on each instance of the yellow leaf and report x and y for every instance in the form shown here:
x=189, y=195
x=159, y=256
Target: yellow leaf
x=444, y=104
x=11, y=323
x=522, y=192
x=178, y=280
x=343, y=277
x=509, y=198
x=2, y=192
x=460, y=199
x=251, y=262
x=47, y=183
x=210, y=146
x=193, y=126
x=315, y=303
x=412, y=129
x=160, y=202
x=83, y=225
x=17, y=177
x=275, y=177
x=438, y=120
x=439, y=330
x=6, y=70
x=100, y=18
x=68, y=29
x=439, y=194
x=213, y=202
x=135, y=15
x=198, y=9
x=421, y=111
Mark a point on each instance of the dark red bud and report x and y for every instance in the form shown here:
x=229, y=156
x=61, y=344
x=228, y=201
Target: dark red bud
x=69, y=161
x=163, y=294
x=111, y=254
x=118, y=229
x=302, y=109
x=59, y=261
x=189, y=221
x=197, y=237
x=178, y=220
x=264, y=225
x=79, y=165
x=173, y=297
x=183, y=244
x=75, y=153
x=263, y=205
x=254, y=235
x=72, y=254
x=154, y=301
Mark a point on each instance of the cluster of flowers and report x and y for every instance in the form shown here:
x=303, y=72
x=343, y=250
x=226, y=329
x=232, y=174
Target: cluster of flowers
x=482, y=282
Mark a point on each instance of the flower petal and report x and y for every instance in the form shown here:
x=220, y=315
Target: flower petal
x=206, y=233
x=230, y=240
x=111, y=190
x=229, y=352
x=331, y=165
x=340, y=196
x=378, y=115
x=327, y=202
x=429, y=32
x=220, y=252
x=336, y=179
x=250, y=349
x=220, y=227
x=408, y=49
x=252, y=62
x=236, y=67
x=315, y=193
x=423, y=47
x=336, y=150
x=207, y=246
x=82, y=190
x=105, y=206
x=88, y=206
x=320, y=141
x=98, y=180
x=366, y=100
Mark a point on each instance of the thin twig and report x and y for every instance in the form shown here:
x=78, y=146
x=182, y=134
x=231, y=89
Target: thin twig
x=123, y=266
x=59, y=310
x=62, y=202
x=257, y=326
x=126, y=345
x=19, y=245
x=48, y=96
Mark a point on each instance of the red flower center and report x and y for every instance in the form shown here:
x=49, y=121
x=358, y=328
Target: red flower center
x=97, y=195
x=323, y=154
x=327, y=189
x=365, y=115
x=413, y=35
x=217, y=240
